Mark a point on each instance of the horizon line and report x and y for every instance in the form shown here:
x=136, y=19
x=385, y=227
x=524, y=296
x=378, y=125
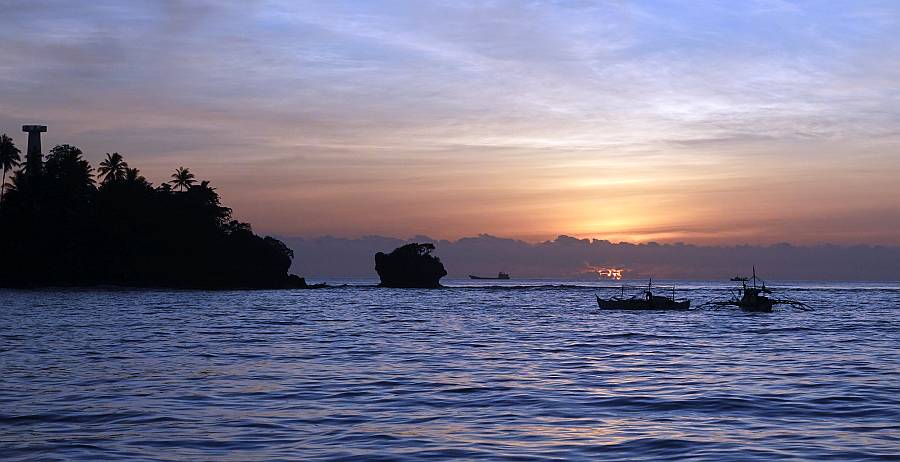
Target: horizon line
x=650, y=243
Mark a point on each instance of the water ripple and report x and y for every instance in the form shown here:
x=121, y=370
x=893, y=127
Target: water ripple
x=472, y=372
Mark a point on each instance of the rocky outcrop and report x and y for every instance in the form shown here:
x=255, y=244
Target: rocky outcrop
x=411, y=265
x=296, y=282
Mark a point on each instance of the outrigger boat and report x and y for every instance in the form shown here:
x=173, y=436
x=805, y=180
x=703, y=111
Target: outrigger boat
x=754, y=298
x=648, y=301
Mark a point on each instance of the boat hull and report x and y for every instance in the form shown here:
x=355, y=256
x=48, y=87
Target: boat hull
x=655, y=304
x=487, y=278
x=766, y=306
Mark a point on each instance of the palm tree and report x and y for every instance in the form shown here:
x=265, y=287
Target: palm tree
x=113, y=168
x=134, y=175
x=183, y=179
x=9, y=159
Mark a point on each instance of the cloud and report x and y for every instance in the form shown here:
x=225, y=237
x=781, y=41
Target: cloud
x=557, y=114
x=568, y=257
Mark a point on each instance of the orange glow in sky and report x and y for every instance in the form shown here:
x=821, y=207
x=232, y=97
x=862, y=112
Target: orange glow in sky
x=610, y=120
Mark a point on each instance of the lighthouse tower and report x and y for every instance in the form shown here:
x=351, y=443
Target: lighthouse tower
x=34, y=161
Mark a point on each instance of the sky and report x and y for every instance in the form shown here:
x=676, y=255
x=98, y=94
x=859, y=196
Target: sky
x=706, y=122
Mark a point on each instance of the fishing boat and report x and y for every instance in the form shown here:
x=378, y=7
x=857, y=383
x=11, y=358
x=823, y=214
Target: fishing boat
x=753, y=296
x=754, y=299
x=647, y=301
x=500, y=275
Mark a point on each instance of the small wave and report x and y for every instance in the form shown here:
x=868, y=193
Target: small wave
x=462, y=373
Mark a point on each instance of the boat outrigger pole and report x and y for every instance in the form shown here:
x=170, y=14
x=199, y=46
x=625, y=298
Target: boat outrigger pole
x=754, y=298
x=648, y=301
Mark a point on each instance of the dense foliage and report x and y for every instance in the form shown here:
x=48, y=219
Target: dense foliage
x=411, y=265
x=59, y=227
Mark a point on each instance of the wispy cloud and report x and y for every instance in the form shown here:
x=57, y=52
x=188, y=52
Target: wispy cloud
x=561, y=113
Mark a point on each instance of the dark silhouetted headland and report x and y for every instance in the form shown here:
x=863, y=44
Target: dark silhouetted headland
x=59, y=227
x=411, y=265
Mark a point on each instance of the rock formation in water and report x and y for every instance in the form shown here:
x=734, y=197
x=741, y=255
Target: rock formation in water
x=411, y=265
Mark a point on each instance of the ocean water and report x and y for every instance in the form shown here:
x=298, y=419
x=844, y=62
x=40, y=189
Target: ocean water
x=497, y=371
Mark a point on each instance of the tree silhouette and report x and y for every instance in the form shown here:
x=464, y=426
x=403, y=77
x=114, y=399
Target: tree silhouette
x=133, y=175
x=182, y=179
x=9, y=159
x=60, y=229
x=113, y=168
x=66, y=165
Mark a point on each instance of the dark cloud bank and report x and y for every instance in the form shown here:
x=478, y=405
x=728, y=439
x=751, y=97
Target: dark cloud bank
x=568, y=257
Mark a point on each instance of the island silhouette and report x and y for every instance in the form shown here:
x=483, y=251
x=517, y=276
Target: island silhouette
x=64, y=224
x=410, y=266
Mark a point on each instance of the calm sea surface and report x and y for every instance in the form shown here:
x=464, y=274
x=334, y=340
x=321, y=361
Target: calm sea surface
x=465, y=373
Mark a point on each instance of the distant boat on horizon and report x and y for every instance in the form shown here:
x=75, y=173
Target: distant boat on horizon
x=500, y=275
